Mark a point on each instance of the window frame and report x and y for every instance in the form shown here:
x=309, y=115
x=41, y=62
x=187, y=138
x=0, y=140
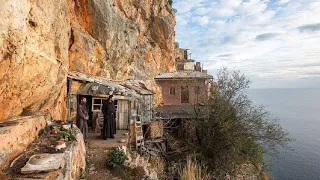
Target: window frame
x=172, y=89
x=197, y=90
x=185, y=92
x=180, y=67
x=97, y=104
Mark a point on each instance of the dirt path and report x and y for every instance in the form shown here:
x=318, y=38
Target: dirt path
x=96, y=149
x=96, y=165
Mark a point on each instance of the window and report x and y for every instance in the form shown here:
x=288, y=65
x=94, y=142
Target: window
x=185, y=54
x=184, y=94
x=96, y=104
x=172, y=91
x=197, y=90
x=180, y=67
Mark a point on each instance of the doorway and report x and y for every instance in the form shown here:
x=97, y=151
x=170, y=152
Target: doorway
x=89, y=107
x=184, y=94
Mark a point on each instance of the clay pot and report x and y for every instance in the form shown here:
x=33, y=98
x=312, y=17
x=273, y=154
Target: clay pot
x=53, y=131
x=59, y=142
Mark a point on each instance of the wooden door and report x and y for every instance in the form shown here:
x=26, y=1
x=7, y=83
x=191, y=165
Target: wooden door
x=122, y=118
x=184, y=94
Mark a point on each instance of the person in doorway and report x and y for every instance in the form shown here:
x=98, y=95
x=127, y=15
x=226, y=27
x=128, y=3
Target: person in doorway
x=84, y=117
x=109, y=123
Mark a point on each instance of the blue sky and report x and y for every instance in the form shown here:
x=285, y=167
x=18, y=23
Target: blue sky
x=276, y=43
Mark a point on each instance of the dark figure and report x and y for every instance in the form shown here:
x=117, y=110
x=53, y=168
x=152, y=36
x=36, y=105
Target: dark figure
x=84, y=117
x=109, y=114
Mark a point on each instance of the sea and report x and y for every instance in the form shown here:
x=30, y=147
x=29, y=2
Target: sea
x=298, y=111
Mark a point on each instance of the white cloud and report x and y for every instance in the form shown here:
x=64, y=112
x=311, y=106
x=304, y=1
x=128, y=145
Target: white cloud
x=265, y=40
x=201, y=11
x=231, y=3
x=181, y=20
x=186, y=5
x=253, y=6
x=201, y=20
x=223, y=12
x=283, y=1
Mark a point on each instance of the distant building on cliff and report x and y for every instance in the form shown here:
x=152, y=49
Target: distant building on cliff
x=189, y=85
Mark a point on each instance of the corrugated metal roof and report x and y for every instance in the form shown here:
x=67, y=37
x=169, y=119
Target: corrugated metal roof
x=184, y=74
x=137, y=86
x=102, y=86
x=93, y=88
x=89, y=78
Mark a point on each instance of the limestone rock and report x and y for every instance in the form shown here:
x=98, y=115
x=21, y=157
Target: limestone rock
x=153, y=176
x=136, y=38
x=33, y=57
x=19, y=133
x=42, y=40
x=43, y=163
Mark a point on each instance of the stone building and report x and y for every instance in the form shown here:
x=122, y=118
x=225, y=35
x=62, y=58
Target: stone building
x=189, y=85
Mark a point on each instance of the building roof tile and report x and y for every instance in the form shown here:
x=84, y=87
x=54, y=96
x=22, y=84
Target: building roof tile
x=184, y=74
x=105, y=87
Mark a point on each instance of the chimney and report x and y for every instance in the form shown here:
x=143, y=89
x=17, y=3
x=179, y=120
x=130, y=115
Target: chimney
x=185, y=54
x=197, y=67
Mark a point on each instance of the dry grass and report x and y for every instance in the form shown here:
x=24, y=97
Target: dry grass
x=157, y=164
x=264, y=176
x=193, y=171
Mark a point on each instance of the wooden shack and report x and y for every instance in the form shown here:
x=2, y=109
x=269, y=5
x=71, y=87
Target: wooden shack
x=96, y=89
x=143, y=104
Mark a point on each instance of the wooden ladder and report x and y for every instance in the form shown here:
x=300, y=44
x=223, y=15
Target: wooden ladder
x=139, y=134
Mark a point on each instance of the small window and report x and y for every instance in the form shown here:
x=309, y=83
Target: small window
x=184, y=94
x=97, y=101
x=96, y=108
x=96, y=104
x=180, y=67
x=172, y=91
x=197, y=90
x=185, y=54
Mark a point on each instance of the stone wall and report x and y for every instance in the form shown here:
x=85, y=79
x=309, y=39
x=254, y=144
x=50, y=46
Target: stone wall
x=72, y=160
x=175, y=99
x=75, y=158
x=41, y=40
x=17, y=134
x=181, y=53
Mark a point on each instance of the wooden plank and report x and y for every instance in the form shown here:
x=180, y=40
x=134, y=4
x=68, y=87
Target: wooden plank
x=154, y=149
x=163, y=145
x=155, y=141
x=159, y=146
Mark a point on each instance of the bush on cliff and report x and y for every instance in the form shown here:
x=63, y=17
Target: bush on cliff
x=116, y=158
x=236, y=131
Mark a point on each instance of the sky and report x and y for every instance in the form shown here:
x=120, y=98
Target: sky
x=275, y=43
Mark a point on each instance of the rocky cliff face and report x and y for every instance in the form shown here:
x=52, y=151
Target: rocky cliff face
x=41, y=40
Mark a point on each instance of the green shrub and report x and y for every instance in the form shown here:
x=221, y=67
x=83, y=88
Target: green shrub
x=170, y=2
x=253, y=150
x=116, y=158
x=66, y=136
